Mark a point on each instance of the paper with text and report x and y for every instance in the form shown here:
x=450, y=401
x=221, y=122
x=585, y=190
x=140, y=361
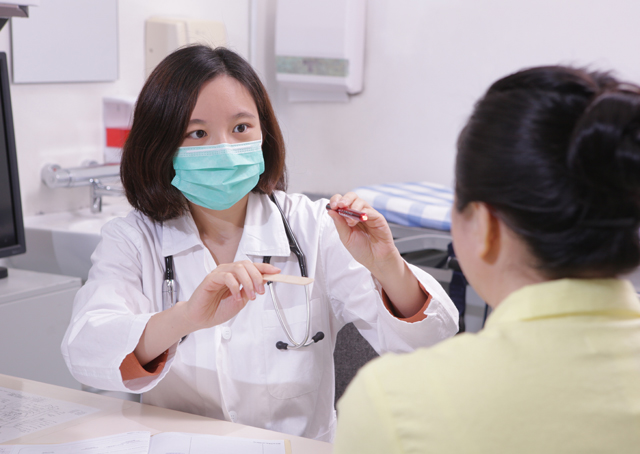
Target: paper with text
x=185, y=443
x=124, y=443
x=24, y=413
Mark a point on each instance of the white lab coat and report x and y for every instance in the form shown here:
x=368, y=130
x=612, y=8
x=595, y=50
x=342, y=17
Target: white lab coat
x=234, y=371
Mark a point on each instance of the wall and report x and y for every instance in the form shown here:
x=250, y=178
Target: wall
x=427, y=61
x=426, y=64
x=62, y=123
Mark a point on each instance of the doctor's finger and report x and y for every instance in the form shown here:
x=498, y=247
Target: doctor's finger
x=348, y=200
x=267, y=268
x=255, y=275
x=232, y=284
x=355, y=202
x=241, y=273
x=343, y=228
x=333, y=201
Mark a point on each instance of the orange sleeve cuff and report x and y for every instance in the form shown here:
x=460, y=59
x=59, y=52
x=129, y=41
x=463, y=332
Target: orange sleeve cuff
x=131, y=368
x=420, y=315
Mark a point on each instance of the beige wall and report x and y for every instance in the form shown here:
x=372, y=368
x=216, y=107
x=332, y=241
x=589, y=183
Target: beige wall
x=62, y=123
x=427, y=61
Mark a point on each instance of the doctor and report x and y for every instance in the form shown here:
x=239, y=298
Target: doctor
x=204, y=155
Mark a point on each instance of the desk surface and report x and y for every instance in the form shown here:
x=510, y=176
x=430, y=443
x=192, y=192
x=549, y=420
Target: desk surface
x=117, y=416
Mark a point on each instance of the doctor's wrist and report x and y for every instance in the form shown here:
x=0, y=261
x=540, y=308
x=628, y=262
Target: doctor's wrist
x=387, y=267
x=182, y=324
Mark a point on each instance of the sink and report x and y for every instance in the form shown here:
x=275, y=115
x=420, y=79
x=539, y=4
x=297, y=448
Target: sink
x=62, y=243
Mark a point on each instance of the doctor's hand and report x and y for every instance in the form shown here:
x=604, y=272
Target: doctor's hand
x=224, y=292
x=370, y=242
x=219, y=297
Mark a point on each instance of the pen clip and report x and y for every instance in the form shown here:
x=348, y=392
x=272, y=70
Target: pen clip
x=168, y=267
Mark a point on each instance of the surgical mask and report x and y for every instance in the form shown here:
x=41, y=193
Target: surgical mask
x=218, y=176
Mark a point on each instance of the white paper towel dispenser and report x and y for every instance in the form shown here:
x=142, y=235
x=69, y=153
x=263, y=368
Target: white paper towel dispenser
x=320, y=48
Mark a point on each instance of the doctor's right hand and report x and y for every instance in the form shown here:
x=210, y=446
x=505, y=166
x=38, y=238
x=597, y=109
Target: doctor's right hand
x=219, y=297
x=224, y=292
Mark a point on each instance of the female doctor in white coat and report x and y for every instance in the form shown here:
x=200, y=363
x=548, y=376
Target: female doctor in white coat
x=204, y=155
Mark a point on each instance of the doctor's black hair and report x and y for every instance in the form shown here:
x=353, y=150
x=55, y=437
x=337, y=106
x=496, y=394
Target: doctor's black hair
x=161, y=118
x=555, y=151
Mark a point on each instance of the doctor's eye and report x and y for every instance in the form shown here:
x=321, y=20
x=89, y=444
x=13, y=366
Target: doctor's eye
x=241, y=128
x=199, y=134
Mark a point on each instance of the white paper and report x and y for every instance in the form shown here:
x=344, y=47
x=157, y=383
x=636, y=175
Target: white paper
x=124, y=443
x=185, y=443
x=24, y=413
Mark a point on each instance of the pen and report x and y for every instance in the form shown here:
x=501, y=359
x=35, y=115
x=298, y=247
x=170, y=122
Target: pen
x=169, y=294
x=347, y=213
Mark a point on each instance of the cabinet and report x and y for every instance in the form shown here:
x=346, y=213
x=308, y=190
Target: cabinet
x=35, y=309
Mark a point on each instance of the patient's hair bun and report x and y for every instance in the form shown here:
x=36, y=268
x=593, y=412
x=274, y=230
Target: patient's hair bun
x=604, y=158
x=556, y=152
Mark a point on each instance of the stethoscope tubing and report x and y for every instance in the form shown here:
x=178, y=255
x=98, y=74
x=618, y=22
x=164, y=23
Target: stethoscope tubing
x=276, y=305
x=170, y=293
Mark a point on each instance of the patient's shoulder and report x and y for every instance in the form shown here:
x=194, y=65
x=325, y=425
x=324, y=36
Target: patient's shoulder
x=464, y=360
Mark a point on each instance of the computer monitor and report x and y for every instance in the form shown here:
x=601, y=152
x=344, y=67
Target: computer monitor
x=12, y=240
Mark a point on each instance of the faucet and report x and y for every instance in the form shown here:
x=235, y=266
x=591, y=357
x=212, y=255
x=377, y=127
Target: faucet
x=92, y=174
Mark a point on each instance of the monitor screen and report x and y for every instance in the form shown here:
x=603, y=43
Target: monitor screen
x=12, y=241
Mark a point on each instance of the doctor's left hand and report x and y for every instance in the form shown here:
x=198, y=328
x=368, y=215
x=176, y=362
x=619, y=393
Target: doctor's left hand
x=370, y=242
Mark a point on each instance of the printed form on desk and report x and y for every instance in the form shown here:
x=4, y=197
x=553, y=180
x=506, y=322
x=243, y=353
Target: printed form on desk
x=23, y=413
x=162, y=443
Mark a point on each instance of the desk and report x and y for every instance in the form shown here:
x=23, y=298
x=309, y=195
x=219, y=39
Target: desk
x=117, y=416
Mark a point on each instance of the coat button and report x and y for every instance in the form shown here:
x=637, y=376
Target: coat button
x=233, y=416
x=226, y=332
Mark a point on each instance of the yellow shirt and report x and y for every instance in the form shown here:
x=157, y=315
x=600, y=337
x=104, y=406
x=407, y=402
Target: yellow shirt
x=555, y=370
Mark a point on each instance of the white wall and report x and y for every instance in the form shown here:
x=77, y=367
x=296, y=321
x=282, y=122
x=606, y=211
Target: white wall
x=62, y=123
x=427, y=61
x=426, y=64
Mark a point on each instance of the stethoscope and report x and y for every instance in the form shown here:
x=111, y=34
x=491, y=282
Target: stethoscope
x=170, y=293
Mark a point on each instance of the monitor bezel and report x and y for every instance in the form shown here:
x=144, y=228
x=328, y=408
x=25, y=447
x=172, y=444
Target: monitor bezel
x=5, y=105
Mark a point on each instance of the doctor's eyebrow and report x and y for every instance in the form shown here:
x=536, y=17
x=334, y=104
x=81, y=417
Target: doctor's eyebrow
x=244, y=114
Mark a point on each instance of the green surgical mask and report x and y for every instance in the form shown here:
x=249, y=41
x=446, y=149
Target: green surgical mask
x=218, y=176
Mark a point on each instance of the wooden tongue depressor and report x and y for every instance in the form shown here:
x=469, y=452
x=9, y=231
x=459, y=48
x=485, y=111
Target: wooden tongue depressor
x=287, y=279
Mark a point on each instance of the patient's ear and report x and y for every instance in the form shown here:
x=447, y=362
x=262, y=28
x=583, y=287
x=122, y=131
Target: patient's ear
x=489, y=230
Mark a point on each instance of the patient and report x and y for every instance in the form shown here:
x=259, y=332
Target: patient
x=546, y=220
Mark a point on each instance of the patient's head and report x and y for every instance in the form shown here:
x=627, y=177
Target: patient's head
x=552, y=154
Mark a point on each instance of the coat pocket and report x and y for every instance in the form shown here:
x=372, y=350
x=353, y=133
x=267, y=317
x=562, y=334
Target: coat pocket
x=292, y=373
